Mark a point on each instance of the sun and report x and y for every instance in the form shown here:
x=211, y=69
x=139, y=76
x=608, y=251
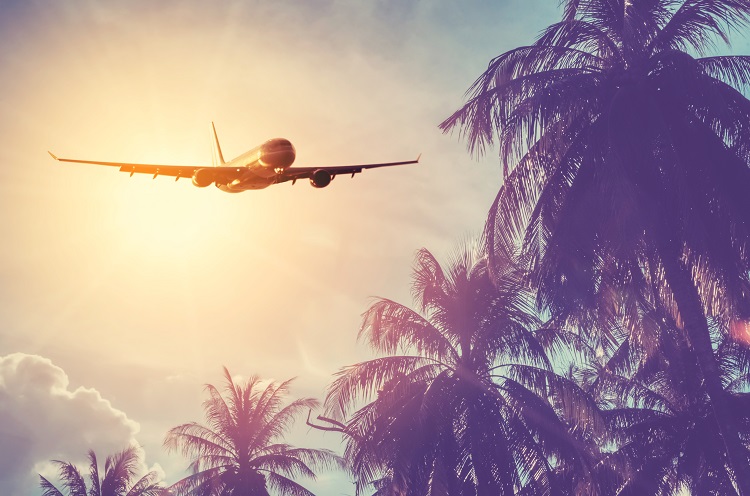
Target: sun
x=157, y=218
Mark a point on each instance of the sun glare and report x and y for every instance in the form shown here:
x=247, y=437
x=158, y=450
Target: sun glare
x=156, y=218
x=740, y=330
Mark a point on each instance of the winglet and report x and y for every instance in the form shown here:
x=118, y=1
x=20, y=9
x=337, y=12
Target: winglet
x=53, y=155
x=418, y=157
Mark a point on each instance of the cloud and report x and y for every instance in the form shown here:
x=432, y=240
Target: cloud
x=42, y=419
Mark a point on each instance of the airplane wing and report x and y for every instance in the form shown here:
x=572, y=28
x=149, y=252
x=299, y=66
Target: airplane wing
x=176, y=171
x=295, y=173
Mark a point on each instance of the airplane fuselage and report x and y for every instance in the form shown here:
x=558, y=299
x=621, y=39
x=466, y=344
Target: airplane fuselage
x=259, y=167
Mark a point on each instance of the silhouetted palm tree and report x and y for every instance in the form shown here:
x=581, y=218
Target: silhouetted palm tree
x=238, y=453
x=626, y=162
x=459, y=404
x=665, y=432
x=120, y=478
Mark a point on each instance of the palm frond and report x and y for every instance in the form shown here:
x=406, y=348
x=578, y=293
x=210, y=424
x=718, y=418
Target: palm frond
x=195, y=439
x=284, y=464
x=217, y=411
x=732, y=69
x=148, y=485
x=205, y=482
x=271, y=400
x=428, y=280
x=48, y=488
x=281, y=421
x=95, y=489
x=388, y=326
x=286, y=486
x=119, y=469
x=73, y=482
x=510, y=78
x=364, y=379
x=316, y=458
x=697, y=22
x=577, y=405
x=583, y=35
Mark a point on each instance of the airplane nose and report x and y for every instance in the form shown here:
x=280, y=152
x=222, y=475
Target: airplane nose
x=277, y=153
x=285, y=157
x=281, y=158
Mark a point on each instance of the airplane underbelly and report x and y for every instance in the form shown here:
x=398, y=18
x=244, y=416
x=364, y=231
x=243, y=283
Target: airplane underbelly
x=264, y=172
x=248, y=181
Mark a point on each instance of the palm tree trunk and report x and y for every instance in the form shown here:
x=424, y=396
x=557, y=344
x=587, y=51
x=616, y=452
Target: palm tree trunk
x=691, y=311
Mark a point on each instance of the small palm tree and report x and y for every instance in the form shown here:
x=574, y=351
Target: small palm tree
x=120, y=472
x=459, y=404
x=238, y=453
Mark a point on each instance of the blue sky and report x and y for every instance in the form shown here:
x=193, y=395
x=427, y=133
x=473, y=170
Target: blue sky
x=121, y=296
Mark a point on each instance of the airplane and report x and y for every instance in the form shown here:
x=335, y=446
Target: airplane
x=264, y=165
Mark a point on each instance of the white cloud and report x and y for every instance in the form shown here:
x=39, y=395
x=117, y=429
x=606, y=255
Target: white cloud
x=42, y=419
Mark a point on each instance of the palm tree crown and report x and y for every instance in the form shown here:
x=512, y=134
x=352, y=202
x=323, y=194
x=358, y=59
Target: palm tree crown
x=120, y=478
x=239, y=452
x=441, y=417
x=622, y=143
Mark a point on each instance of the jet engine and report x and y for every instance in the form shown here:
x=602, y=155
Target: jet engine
x=203, y=177
x=320, y=178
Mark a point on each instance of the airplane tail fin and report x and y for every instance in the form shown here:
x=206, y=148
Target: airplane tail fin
x=217, y=157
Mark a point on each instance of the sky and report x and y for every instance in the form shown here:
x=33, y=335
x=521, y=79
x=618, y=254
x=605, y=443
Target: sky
x=120, y=297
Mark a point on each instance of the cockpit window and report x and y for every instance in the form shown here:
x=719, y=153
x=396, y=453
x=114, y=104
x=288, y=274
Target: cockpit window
x=279, y=143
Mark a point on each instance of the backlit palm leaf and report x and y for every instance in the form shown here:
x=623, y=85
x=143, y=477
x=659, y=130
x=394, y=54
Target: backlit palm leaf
x=428, y=419
x=119, y=478
x=238, y=452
